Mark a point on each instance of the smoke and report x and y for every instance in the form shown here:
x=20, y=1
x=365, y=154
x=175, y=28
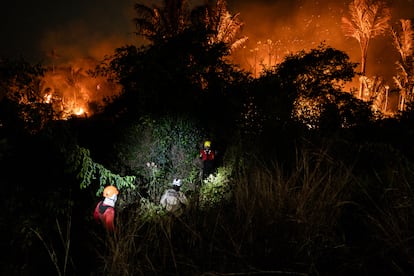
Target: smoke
x=60, y=31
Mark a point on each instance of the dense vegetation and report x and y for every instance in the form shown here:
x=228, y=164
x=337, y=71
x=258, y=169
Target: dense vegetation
x=309, y=181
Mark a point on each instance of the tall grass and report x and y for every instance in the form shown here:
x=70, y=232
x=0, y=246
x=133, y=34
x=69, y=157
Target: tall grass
x=60, y=265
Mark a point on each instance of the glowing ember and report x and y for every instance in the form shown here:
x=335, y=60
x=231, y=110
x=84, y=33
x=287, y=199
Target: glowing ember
x=80, y=111
x=48, y=98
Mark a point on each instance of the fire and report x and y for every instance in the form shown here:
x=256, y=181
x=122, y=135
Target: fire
x=79, y=111
x=278, y=28
x=48, y=98
x=73, y=92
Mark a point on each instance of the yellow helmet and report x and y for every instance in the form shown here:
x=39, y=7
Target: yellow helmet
x=109, y=191
x=207, y=144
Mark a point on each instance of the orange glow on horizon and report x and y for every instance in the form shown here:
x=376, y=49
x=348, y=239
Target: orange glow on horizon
x=274, y=29
x=278, y=28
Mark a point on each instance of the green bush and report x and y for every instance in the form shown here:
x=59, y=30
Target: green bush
x=215, y=189
x=157, y=150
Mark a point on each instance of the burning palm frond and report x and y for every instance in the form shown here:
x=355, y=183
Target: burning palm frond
x=368, y=20
x=403, y=41
x=223, y=26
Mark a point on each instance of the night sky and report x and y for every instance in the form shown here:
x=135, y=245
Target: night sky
x=93, y=28
x=71, y=28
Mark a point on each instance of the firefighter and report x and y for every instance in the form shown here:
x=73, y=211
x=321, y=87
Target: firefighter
x=207, y=155
x=104, y=213
x=173, y=199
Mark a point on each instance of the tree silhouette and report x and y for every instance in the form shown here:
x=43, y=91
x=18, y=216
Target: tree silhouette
x=219, y=24
x=315, y=77
x=404, y=43
x=160, y=23
x=187, y=56
x=368, y=20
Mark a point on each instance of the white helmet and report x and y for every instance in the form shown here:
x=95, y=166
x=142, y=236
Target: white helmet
x=177, y=182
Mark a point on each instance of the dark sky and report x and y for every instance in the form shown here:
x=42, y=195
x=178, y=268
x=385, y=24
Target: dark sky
x=72, y=28
x=93, y=28
x=76, y=27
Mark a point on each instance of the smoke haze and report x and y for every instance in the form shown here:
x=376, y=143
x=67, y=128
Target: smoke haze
x=60, y=31
x=299, y=24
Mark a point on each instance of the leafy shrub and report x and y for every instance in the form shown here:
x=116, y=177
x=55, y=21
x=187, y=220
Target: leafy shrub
x=215, y=188
x=157, y=150
x=89, y=170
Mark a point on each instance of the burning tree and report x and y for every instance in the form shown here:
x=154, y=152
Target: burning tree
x=368, y=20
x=403, y=42
x=22, y=105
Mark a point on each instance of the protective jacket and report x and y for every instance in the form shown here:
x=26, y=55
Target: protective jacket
x=173, y=200
x=207, y=154
x=105, y=215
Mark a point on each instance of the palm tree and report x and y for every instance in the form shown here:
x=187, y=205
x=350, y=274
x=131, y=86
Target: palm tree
x=220, y=25
x=159, y=23
x=404, y=42
x=368, y=20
